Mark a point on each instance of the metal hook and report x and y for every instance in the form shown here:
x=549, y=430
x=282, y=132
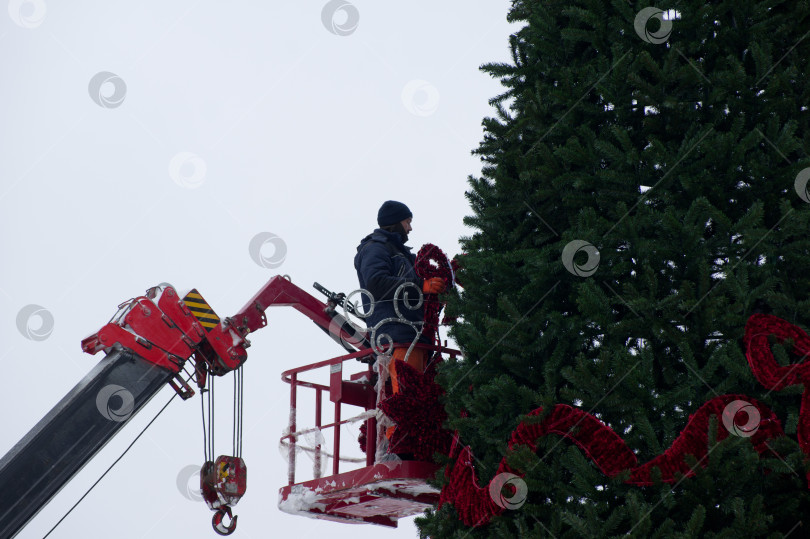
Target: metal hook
x=219, y=527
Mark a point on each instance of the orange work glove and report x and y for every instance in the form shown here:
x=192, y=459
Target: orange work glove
x=434, y=286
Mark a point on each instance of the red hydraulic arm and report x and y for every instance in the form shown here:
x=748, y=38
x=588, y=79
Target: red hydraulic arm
x=160, y=328
x=279, y=291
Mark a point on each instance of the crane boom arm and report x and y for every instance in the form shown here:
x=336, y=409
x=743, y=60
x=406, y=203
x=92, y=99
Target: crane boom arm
x=63, y=441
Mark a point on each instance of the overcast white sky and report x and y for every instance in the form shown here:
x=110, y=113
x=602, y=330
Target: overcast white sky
x=220, y=122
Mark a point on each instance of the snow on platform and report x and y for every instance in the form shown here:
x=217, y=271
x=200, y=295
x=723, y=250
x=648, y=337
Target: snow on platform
x=379, y=494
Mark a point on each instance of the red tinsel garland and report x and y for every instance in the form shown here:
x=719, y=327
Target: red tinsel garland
x=432, y=262
x=773, y=376
x=609, y=452
x=418, y=414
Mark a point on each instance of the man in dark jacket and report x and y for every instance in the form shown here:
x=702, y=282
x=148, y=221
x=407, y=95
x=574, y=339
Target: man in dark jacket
x=383, y=263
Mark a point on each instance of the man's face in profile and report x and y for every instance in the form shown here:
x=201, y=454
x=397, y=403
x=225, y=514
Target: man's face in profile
x=406, y=227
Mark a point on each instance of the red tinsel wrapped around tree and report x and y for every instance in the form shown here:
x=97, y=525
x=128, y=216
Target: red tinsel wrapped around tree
x=611, y=455
x=772, y=375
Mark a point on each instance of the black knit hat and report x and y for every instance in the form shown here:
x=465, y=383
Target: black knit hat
x=392, y=212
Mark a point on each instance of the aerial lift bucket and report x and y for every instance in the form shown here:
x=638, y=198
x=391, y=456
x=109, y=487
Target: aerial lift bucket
x=379, y=493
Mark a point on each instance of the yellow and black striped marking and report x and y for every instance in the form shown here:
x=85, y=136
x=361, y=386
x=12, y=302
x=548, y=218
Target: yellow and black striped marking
x=201, y=310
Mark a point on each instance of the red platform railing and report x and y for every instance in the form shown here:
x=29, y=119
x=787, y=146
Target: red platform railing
x=358, y=394
x=352, y=392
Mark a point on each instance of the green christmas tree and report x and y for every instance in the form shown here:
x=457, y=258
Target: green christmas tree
x=642, y=196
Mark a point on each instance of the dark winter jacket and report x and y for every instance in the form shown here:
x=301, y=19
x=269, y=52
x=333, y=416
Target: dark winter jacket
x=383, y=263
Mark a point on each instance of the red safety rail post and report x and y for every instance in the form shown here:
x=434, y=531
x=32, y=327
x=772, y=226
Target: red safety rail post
x=371, y=440
x=293, y=411
x=336, y=452
x=316, y=466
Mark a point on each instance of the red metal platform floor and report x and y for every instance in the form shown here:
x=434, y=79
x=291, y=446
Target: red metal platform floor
x=379, y=494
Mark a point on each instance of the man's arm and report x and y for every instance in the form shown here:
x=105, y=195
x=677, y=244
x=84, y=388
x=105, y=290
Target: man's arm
x=377, y=266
